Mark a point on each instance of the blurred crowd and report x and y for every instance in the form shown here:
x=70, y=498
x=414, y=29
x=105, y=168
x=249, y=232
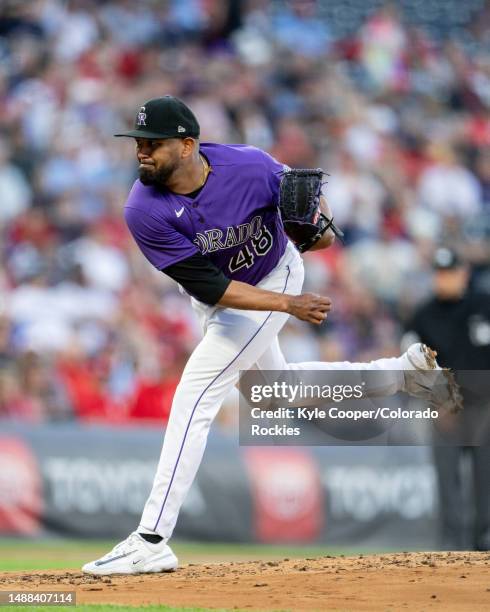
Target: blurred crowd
x=396, y=110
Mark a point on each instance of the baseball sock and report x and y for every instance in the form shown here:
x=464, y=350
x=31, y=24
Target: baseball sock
x=153, y=538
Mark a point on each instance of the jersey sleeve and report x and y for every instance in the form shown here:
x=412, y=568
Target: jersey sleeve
x=200, y=278
x=159, y=242
x=274, y=171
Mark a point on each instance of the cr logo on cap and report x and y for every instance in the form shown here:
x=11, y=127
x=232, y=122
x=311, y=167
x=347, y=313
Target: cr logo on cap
x=180, y=129
x=142, y=116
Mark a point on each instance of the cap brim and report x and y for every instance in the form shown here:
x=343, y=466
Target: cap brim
x=145, y=134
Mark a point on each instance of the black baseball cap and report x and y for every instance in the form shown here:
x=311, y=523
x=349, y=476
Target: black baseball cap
x=446, y=259
x=166, y=117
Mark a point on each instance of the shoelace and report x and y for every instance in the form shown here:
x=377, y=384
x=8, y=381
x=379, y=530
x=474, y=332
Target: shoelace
x=119, y=548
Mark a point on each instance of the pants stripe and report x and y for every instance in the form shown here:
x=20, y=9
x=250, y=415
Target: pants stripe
x=199, y=399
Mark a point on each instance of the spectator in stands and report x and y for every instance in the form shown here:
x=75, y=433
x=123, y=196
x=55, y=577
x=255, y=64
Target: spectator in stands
x=361, y=91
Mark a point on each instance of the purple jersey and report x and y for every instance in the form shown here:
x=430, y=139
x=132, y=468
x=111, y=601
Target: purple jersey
x=234, y=221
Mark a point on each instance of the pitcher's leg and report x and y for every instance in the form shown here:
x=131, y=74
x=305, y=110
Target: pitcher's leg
x=389, y=380
x=196, y=402
x=232, y=343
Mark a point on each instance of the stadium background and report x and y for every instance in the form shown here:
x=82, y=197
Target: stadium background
x=392, y=100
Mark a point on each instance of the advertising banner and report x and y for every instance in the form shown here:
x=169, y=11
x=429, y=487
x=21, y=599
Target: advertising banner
x=93, y=482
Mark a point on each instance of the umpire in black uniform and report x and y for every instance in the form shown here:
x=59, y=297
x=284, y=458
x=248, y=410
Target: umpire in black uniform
x=456, y=323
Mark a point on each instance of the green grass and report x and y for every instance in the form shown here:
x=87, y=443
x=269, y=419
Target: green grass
x=51, y=554
x=25, y=555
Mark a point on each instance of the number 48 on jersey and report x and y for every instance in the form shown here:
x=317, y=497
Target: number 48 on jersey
x=259, y=246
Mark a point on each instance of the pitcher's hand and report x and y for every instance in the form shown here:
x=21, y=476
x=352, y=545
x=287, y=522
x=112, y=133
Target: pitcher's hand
x=309, y=307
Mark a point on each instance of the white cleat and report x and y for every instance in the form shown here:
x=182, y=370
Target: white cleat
x=421, y=357
x=134, y=556
x=425, y=379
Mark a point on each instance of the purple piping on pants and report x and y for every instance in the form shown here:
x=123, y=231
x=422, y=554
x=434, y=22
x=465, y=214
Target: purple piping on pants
x=199, y=399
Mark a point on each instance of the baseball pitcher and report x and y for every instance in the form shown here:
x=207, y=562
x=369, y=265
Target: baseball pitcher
x=209, y=216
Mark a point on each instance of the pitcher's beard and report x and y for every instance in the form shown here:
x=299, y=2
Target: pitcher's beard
x=155, y=177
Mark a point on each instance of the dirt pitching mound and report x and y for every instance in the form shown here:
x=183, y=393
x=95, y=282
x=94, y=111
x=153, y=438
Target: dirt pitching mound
x=412, y=581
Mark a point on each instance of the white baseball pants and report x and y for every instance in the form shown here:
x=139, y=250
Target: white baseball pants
x=233, y=340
